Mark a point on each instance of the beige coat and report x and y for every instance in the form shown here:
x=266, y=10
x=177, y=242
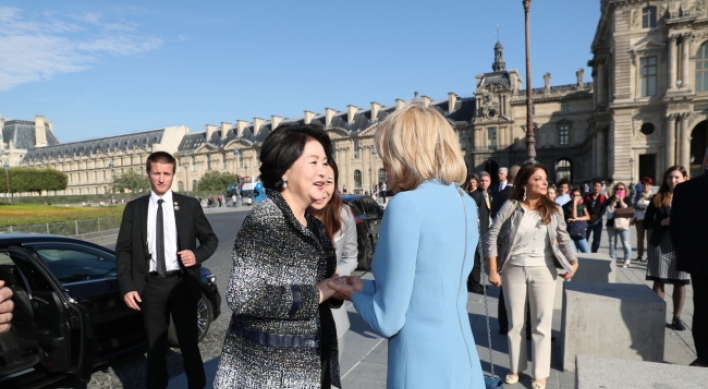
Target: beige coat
x=498, y=240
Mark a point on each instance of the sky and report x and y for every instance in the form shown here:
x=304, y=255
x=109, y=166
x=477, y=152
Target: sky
x=101, y=68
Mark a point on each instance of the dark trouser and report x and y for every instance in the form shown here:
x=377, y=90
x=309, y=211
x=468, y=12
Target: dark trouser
x=596, y=228
x=700, y=315
x=475, y=278
x=161, y=298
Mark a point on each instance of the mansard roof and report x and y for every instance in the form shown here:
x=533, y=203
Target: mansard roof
x=501, y=78
x=91, y=147
x=568, y=90
x=22, y=135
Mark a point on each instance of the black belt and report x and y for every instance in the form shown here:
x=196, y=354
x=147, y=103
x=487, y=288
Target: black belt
x=274, y=340
x=171, y=273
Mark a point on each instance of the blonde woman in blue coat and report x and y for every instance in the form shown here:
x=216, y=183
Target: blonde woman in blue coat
x=423, y=257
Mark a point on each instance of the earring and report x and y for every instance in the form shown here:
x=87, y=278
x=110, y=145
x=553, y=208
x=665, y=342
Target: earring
x=285, y=183
x=524, y=199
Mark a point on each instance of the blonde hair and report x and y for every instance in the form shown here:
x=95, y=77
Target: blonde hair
x=418, y=144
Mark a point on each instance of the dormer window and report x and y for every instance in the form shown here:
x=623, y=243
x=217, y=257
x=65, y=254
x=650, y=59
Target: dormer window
x=649, y=17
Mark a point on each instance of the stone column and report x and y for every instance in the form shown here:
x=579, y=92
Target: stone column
x=601, y=84
x=672, y=62
x=670, y=140
x=685, y=142
x=684, y=62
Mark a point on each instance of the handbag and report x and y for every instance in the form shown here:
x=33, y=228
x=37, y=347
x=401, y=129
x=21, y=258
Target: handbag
x=491, y=381
x=621, y=223
x=624, y=212
x=576, y=229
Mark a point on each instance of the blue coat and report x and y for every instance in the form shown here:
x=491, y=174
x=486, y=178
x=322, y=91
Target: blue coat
x=419, y=298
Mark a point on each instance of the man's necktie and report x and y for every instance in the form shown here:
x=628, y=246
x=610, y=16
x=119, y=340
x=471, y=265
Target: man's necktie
x=160, y=241
x=486, y=198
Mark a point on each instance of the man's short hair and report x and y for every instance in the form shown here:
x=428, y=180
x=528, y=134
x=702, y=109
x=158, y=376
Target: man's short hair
x=485, y=174
x=502, y=169
x=161, y=157
x=596, y=182
x=565, y=181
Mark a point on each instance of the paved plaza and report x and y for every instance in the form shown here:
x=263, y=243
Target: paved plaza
x=364, y=358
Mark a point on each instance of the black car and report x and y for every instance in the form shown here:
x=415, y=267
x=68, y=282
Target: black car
x=367, y=216
x=69, y=316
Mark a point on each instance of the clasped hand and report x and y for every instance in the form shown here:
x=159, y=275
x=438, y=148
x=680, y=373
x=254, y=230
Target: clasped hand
x=340, y=288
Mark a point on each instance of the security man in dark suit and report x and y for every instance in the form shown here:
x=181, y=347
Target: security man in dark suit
x=689, y=229
x=484, y=205
x=158, y=265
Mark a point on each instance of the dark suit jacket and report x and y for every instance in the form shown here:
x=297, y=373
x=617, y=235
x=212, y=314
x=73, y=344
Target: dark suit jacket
x=494, y=188
x=132, y=256
x=652, y=221
x=500, y=198
x=689, y=225
x=483, y=211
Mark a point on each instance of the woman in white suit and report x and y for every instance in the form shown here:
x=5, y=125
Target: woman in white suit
x=341, y=230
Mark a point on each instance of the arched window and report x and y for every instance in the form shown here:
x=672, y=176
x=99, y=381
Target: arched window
x=564, y=169
x=180, y=186
x=382, y=175
x=357, y=179
x=702, y=68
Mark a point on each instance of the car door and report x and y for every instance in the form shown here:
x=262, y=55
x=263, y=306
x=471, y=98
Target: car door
x=88, y=275
x=62, y=344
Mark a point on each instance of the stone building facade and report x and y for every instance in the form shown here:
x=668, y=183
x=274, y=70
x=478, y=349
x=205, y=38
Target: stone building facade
x=645, y=109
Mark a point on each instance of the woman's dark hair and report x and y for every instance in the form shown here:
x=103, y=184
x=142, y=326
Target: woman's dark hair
x=283, y=146
x=470, y=176
x=664, y=195
x=330, y=214
x=545, y=206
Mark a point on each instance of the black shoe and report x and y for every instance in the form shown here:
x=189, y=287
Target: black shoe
x=476, y=289
x=677, y=325
x=503, y=330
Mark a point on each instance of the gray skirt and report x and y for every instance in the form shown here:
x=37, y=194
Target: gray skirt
x=661, y=265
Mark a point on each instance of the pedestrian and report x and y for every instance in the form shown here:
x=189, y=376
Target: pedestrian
x=586, y=188
x=484, y=207
x=564, y=188
x=661, y=266
x=384, y=188
x=688, y=228
x=617, y=230
x=499, y=198
x=220, y=199
x=520, y=245
x=641, y=202
x=340, y=228
x=472, y=182
x=424, y=347
x=234, y=199
x=164, y=226
x=282, y=333
x=576, y=216
x=595, y=204
x=552, y=193
x=504, y=181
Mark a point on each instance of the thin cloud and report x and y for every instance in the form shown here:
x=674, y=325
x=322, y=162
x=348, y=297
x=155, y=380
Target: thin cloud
x=43, y=45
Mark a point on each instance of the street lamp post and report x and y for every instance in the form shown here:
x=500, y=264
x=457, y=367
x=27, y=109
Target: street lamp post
x=185, y=164
x=6, y=166
x=530, y=140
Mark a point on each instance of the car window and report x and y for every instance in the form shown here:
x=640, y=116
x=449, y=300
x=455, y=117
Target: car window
x=356, y=207
x=373, y=210
x=72, y=262
x=5, y=259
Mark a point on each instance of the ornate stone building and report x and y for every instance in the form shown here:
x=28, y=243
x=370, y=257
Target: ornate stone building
x=645, y=109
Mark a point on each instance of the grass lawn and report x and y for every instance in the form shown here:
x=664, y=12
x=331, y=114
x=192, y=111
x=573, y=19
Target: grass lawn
x=26, y=214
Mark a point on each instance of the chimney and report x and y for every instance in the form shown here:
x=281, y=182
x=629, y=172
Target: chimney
x=579, y=75
x=257, y=123
x=351, y=111
x=40, y=131
x=240, y=127
x=308, y=117
x=451, y=102
x=547, y=82
x=426, y=101
x=329, y=114
x=375, y=110
x=275, y=121
x=210, y=130
x=50, y=125
x=224, y=129
x=400, y=103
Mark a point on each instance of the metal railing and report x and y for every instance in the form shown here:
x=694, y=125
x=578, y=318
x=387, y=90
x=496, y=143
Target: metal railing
x=69, y=227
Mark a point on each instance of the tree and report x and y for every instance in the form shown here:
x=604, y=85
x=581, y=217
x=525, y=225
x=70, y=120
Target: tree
x=133, y=181
x=29, y=180
x=216, y=181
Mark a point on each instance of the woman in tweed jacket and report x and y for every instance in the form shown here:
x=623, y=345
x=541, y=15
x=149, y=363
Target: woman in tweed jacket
x=282, y=334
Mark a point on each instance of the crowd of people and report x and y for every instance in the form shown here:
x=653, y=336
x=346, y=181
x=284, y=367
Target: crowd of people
x=295, y=252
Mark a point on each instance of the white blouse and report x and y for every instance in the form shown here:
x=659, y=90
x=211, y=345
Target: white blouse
x=531, y=245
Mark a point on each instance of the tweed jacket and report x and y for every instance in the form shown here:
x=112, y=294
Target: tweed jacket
x=500, y=237
x=277, y=263
x=652, y=221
